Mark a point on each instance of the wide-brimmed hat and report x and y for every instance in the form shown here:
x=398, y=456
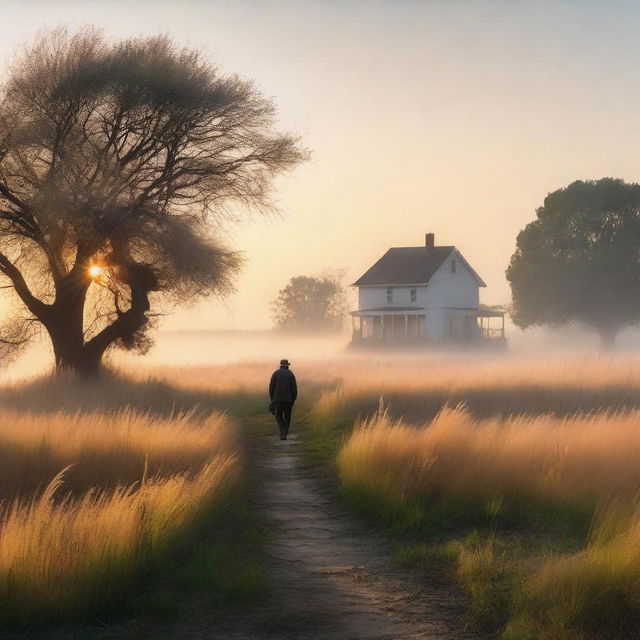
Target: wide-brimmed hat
x=284, y=362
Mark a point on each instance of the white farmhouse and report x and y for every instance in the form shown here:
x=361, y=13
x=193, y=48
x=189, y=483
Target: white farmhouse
x=423, y=294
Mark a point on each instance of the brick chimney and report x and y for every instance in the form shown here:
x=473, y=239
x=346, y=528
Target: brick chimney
x=429, y=240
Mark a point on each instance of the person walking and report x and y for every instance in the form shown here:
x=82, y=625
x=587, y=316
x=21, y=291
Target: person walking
x=283, y=391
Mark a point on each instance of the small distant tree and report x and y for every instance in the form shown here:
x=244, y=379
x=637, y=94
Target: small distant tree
x=311, y=304
x=117, y=165
x=580, y=259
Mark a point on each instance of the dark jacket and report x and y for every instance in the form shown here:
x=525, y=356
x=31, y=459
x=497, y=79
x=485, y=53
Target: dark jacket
x=283, y=387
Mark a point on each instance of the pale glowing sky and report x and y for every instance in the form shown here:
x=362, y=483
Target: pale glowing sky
x=452, y=117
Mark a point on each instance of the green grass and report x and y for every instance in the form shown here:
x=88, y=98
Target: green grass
x=218, y=562
x=322, y=438
x=225, y=556
x=227, y=563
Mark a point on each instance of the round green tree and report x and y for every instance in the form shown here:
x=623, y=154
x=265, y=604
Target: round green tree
x=311, y=304
x=579, y=260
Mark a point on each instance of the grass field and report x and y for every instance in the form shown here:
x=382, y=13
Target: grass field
x=92, y=498
x=418, y=389
x=517, y=478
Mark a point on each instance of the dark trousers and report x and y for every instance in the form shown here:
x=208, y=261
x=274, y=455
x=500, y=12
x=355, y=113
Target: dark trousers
x=283, y=416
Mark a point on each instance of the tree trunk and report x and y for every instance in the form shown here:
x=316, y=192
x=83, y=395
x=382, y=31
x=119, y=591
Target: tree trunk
x=71, y=352
x=64, y=322
x=73, y=356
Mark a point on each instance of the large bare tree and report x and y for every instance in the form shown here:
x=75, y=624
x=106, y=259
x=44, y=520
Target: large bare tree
x=118, y=164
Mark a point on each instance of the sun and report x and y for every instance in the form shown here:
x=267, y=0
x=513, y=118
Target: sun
x=97, y=272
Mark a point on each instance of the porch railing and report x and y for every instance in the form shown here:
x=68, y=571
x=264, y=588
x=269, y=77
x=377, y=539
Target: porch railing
x=492, y=333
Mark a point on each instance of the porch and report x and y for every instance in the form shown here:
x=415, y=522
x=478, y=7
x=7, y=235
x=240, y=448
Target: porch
x=408, y=324
x=469, y=324
x=389, y=324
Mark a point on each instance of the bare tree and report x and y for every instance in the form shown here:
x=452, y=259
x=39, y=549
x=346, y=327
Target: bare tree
x=118, y=163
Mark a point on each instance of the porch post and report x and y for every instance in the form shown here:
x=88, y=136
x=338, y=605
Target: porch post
x=406, y=326
x=357, y=327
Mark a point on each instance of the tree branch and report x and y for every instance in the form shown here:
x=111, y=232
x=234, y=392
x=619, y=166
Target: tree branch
x=141, y=281
x=37, y=307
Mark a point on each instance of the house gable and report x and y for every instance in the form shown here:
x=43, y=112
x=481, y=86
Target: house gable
x=463, y=268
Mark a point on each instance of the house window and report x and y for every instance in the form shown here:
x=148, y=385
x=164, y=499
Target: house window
x=414, y=295
x=389, y=295
x=453, y=266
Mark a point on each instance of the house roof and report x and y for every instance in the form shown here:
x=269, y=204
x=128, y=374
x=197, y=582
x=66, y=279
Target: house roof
x=409, y=265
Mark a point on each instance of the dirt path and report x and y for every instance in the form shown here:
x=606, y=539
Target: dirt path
x=331, y=579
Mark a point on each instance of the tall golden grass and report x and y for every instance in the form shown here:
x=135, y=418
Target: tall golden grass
x=426, y=372
x=590, y=593
x=419, y=389
x=414, y=387
x=516, y=465
x=91, y=497
x=69, y=557
x=579, y=459
x=103, y=449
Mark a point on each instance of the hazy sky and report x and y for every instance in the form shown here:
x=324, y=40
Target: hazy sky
x=446, y=116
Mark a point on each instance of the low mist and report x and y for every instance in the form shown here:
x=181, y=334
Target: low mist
x=202, y=348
